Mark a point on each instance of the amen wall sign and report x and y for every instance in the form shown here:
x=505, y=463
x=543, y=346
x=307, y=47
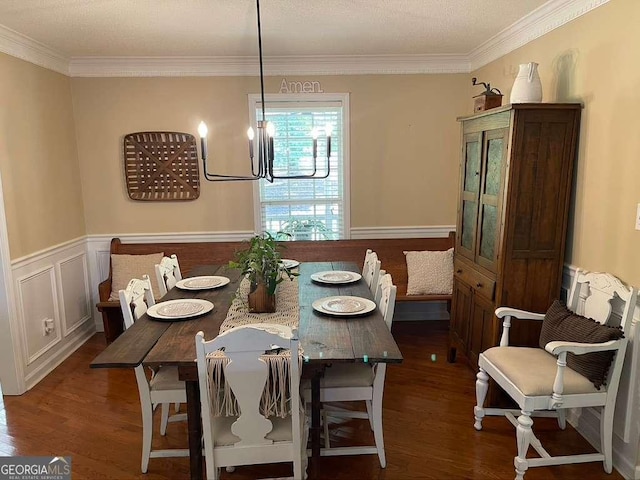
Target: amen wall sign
x=300, y=87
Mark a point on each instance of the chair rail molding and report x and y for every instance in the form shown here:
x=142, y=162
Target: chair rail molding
x=434, y=231
x=626, y=424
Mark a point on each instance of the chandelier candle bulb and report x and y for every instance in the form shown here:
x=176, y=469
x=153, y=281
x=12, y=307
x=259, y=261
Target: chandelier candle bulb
x=202, y=131
x=251, y=136
x=328, y=129
x=314, y=134
x=271, y=131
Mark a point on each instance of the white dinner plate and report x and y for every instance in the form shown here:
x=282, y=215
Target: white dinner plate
x=172, y=310
x=344, y=305
x=289, y=264
x=202, y=283
x=335, y=276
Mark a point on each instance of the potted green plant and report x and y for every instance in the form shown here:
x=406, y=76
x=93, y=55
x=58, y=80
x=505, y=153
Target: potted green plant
x=262, y=263
x=305, y=229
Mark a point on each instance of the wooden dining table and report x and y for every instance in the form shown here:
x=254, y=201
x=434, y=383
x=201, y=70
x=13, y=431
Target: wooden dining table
x=325, y=340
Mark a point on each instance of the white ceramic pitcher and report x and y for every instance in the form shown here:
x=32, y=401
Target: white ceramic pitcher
x=527, y=88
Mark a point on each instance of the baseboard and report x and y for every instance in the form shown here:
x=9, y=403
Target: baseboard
x=84, y=334
x=591, y=432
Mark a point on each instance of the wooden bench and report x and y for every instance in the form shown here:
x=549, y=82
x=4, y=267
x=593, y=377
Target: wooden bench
x=390, y=252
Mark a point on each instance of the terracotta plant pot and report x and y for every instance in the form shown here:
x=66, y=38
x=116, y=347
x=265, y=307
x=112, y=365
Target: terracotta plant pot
x=260, y=301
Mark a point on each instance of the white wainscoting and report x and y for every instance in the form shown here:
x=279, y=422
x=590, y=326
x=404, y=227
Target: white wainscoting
x=626, y=428
x=52, y=285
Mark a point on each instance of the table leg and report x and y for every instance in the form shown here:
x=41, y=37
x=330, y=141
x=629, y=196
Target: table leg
x=316, y=428
x=195, y=429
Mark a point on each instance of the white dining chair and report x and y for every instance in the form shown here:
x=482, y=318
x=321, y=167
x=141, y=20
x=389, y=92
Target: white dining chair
x=578, y=365
x=168, y=274
x=251, y=438
x=163, y=388
x=378, y=290
x=350, y=382
x=371, y=269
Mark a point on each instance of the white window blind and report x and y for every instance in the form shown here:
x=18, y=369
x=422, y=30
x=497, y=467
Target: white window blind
x=307, y=209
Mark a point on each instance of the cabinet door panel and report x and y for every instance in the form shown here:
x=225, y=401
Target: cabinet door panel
x=472, y=164
x=494, y=162
x=488, y=232
x=495, y=154
x=461, y=306
x=469, y=216
x=469, y=195
x=481, y=333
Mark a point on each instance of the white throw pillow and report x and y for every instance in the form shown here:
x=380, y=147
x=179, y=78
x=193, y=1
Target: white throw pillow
x=430, y=273
x=126, y=267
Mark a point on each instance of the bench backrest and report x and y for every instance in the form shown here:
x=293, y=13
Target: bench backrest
x=389, y=250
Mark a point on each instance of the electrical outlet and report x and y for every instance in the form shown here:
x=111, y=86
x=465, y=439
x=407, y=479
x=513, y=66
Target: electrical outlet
x=47, y=326
x=638, y=218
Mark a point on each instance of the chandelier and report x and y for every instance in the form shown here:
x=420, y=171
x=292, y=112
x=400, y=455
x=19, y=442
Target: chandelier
x=261, y=146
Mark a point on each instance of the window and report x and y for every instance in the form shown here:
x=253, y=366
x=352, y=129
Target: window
x=307, y=209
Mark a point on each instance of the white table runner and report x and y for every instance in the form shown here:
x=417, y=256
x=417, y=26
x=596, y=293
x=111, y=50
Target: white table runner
x=275, y=398
x=287, y=307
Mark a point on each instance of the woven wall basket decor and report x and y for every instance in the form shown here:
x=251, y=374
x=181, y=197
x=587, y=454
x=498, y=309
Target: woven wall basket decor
x=161, y=166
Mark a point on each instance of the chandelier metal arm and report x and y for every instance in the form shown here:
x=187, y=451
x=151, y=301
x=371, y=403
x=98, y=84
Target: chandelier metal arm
x=214, y=177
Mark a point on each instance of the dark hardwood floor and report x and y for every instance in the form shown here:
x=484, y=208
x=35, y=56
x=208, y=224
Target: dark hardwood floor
x=94, y=417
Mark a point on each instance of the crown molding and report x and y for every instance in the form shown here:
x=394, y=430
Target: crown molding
x=541, y=21
x=284, y=65
x=19, y=46
x=548, y=17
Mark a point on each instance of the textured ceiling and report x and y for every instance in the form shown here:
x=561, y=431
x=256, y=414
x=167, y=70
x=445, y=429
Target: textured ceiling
x=79, y=28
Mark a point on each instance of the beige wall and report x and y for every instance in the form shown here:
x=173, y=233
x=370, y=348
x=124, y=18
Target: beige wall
x=38, y=158
x=594, y=60
x=404, y=141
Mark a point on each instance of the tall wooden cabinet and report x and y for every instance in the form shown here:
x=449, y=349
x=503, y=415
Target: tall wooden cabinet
x=516, y=175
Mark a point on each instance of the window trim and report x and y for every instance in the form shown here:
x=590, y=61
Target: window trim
x=309, y=98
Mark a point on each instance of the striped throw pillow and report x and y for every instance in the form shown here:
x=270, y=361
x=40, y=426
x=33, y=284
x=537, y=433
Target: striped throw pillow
x=562, y=324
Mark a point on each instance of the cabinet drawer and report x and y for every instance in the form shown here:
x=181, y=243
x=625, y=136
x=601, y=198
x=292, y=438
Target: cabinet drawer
x=480, y=283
